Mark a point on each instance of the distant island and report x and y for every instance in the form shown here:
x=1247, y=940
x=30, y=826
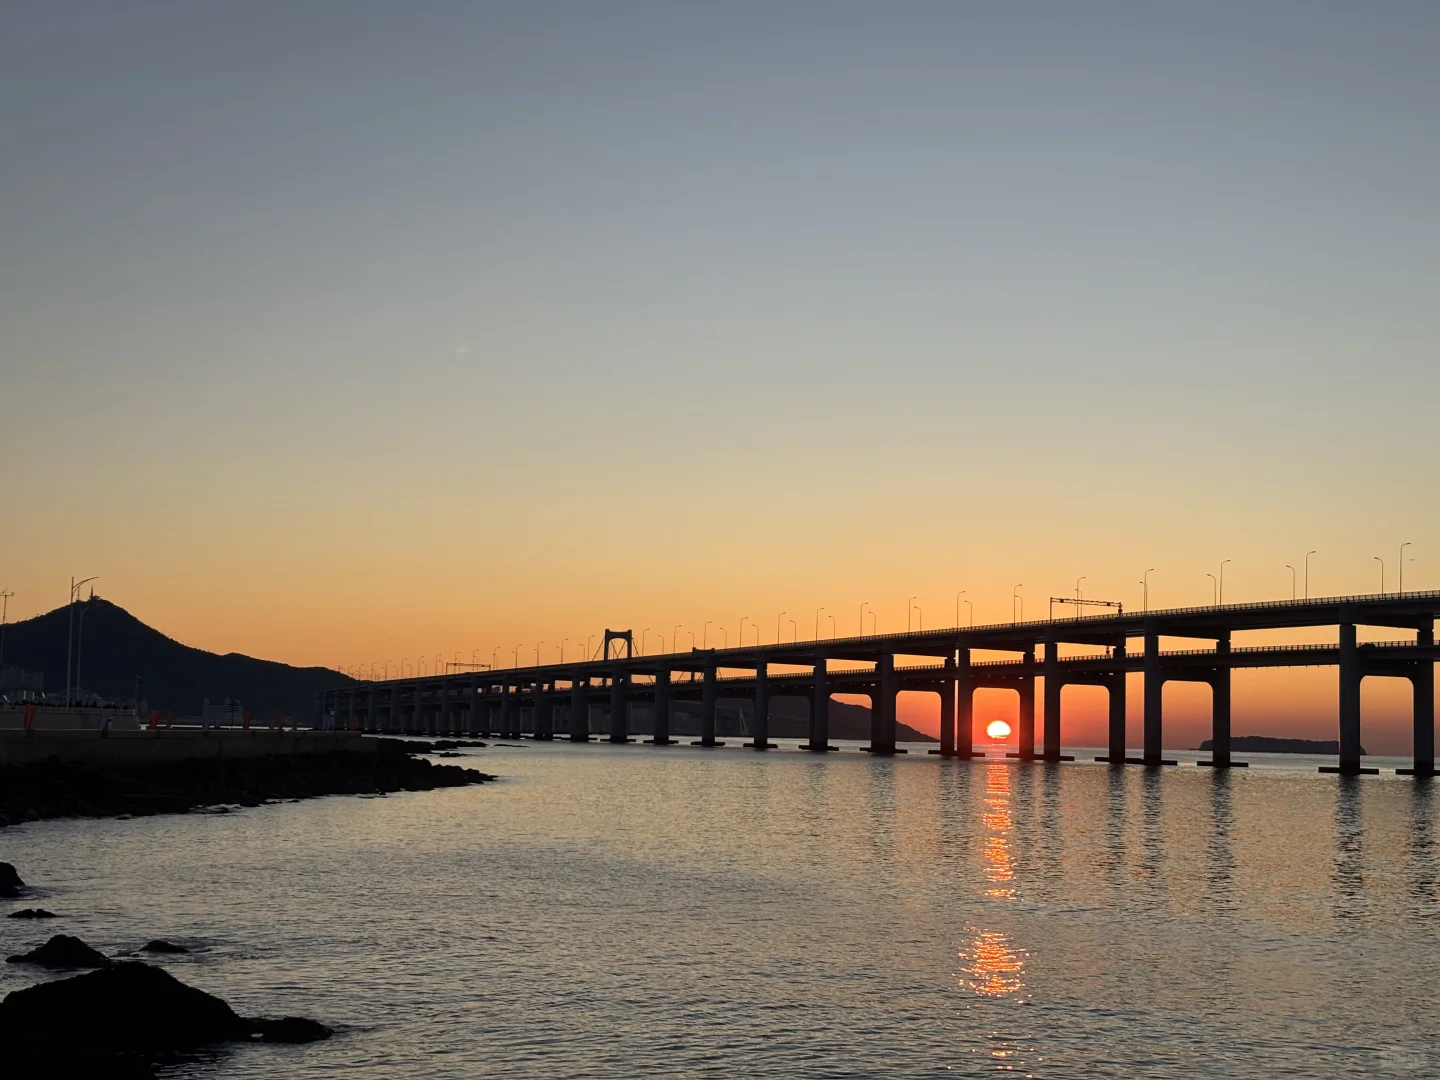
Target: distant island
x=1269, y=744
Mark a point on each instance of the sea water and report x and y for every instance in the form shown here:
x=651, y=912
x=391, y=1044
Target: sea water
x=605, y=911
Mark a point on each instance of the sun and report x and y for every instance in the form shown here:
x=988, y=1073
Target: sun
x=998, y=730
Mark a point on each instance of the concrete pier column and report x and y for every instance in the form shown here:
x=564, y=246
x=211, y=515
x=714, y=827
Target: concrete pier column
x=707, y=708
x=820, y=709
x=472, y=718
x=1026, y=741
x=660, y=726
x=760, y=736
x=371, y=723
x=1154, y=696
x=882, y=707
x=947, y=709
x=1220, y=705
x=417, y=710
x=964, y=706
x=442, y=716
x=1423, y=683
x=619, y=718
x=544, y=714
x=579, y=712
x=1115, y=741
x=1349, y=700
x=509, y=711
x=1052, y=701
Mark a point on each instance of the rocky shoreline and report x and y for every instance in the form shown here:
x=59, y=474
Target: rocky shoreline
x=56, y=789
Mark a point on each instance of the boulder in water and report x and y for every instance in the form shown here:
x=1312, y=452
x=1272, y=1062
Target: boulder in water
x=128, y=1008
x=10, y=883
x=160, y=945
x=62, y=951
x=32, y=913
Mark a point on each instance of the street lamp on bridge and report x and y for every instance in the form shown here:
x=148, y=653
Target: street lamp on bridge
x=909, y=609
x=1292, y=581
x=1382, y=574
x=1402, y=566
x=863, y=605
x=1145, y=584
x=1222, y=580
x=1307, y=572
x=1017, y=603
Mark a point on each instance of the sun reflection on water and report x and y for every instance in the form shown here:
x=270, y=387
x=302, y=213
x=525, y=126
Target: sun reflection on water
x=991, y=966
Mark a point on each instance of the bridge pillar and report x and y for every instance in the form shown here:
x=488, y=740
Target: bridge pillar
x=1115, y=748
x=760, y=737
x=882, y=707
x=1053, y=686
x=1154, y=697
x=509, y=713
x=1220, y=705
x=707, y=709
x=820, y=709
x=579, y=712
x=947, y=709
x=964, y=706
x=1026, y=741
x=442, y=715
x=417, y=709
x=544, y=714
x=660, y=727
x=1422, y=681
x=1350, y=676
x=472, y=714
x=619, y=718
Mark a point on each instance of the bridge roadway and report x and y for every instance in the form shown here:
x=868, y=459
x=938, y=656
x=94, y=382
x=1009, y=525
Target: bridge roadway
x=479, y=702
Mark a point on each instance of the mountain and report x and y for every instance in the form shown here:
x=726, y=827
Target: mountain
x=117, y=647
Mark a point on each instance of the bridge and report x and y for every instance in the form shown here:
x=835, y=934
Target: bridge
x=559, y=698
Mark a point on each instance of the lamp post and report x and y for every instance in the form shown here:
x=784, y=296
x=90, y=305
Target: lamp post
x=874, y=624
x=1307, y=572
x=757, y=634
x=1402, y=566
x=818, y=610
x=4, y=613
x=1145, y=584
x=495, y=658
x=909, y=605
x=1214, y=596
x=958, y=595
x=1078, y=595
x=1017, y=603
x=705, y=634
x=794, y=632
x=833, y=632
x=742, y=630
x=777, y=627
x=863, y=605
x=588, y=653
x=563, y=642
x=1292, y=581
x=1222, y=579
x=515, y=662
x=675, y=638
x=80, y=640
x=70, y=634
x=692, y=639
x=726, y=638
x=1382, y=574
x=643, y=634
x=537, y=652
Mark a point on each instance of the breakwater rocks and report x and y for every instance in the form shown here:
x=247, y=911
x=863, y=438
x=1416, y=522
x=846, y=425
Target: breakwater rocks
x=122, y=1018
x=54, y=789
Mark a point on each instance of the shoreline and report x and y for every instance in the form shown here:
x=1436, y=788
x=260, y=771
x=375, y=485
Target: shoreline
x=54, y=789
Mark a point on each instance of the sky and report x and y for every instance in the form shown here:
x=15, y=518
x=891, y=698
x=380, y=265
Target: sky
x=347, y=333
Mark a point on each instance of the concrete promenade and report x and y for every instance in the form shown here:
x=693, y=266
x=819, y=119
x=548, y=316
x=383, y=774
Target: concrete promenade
x=550, y=699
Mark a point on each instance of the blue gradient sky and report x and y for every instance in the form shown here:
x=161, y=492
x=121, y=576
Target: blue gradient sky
x=335, y=331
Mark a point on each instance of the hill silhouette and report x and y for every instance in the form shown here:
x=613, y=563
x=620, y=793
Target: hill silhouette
x=175, y=677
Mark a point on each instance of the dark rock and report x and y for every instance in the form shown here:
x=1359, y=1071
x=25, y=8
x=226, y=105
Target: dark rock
x=126, y=1006
x=159, y=945
x=10, y=883
x=32, y=913
x=62, y=951
x=107, y=1023
x=291, y=1029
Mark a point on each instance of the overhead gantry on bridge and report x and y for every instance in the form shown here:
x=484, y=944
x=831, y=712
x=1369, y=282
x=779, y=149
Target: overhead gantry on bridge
x=486, y=702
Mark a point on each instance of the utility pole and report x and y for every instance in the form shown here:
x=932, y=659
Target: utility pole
x=70, y=635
